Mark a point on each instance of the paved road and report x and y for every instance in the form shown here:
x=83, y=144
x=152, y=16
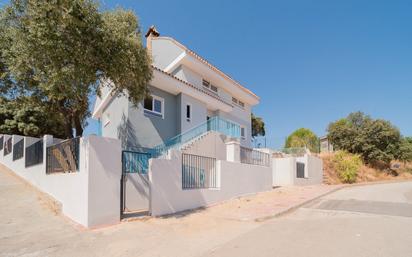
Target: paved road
x=374, y=220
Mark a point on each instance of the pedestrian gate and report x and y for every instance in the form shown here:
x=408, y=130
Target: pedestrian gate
x=134, y=183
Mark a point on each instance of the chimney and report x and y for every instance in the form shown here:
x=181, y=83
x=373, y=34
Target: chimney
x=152, y=32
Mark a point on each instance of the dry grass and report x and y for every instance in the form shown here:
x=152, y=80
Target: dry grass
x=366, y=173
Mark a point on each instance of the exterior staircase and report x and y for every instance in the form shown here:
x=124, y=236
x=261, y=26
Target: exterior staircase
x=188, y=138
x=191, y=143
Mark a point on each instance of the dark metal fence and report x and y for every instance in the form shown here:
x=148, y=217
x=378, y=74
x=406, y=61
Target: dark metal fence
x=198, y=172
x=135, y=162
x=7, y=147
x=300, y=170
x=18, y=150
x=1, y=142
x=254, y=157
x=63, y=157
x=34, y=154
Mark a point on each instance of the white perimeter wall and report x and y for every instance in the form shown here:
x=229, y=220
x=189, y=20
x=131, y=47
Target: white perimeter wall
x=235, y=179
x=104, y=167
x=284, y=171
x=90, y=197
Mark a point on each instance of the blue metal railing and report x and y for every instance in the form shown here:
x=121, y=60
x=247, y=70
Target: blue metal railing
x=215, y=123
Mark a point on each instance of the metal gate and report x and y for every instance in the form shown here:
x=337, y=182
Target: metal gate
x=134, y=184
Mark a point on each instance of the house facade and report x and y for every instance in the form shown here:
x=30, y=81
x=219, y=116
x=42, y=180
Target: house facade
x=186, y=91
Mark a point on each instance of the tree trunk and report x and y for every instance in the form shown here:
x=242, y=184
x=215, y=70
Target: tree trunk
x=78, y=125
x=68, y=127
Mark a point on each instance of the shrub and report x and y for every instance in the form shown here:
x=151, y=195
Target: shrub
x=375, y=140
x=347, y=166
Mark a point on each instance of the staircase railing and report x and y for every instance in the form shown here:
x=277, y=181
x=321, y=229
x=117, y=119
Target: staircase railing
x=215, y=123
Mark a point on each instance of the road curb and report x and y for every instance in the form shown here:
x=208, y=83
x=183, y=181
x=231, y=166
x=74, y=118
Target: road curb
x=391, y=181
x=294, y=207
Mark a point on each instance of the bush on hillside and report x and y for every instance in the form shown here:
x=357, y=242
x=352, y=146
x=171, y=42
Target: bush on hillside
x=347, y=166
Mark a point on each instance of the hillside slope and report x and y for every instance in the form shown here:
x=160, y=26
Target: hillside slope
x=365, y=174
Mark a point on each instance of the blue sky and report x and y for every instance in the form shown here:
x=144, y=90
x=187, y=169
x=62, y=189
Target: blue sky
x=311, y=62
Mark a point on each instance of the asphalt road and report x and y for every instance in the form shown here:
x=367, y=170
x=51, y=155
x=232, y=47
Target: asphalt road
x=373, y=220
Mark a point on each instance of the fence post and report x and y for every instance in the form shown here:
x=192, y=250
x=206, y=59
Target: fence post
x=47, y=141
x=233, y=151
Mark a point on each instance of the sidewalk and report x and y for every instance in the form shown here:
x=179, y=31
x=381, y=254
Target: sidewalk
x=274, y=203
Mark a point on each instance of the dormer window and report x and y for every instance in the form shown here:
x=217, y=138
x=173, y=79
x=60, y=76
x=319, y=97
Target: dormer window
x=208, y=85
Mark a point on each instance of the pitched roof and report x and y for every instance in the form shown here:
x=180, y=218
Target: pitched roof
x=214, y=68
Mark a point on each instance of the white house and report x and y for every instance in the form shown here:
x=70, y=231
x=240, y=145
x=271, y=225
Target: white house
x=186, y=92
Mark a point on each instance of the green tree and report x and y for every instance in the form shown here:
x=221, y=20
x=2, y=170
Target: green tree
x=374, y=139
x=60, y=50
x=303, y=138
x=258, y=126
x=30, y=117
x=405, y=150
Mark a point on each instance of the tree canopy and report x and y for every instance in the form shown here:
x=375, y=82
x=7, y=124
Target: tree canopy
x=303, y=137
x=258, y=126
x=374, y=139
x=59, y=51
x=405, y=149
x=29, y=116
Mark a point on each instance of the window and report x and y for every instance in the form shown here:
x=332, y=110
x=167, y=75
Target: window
x=238, y=102
x=208, y=85
x=148, y=103
x=153, y=105
x=243, y=132
x=188, y=112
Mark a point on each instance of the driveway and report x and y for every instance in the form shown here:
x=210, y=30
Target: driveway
x=336, y=225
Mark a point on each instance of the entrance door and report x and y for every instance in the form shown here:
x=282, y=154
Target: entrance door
x=135, y=188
